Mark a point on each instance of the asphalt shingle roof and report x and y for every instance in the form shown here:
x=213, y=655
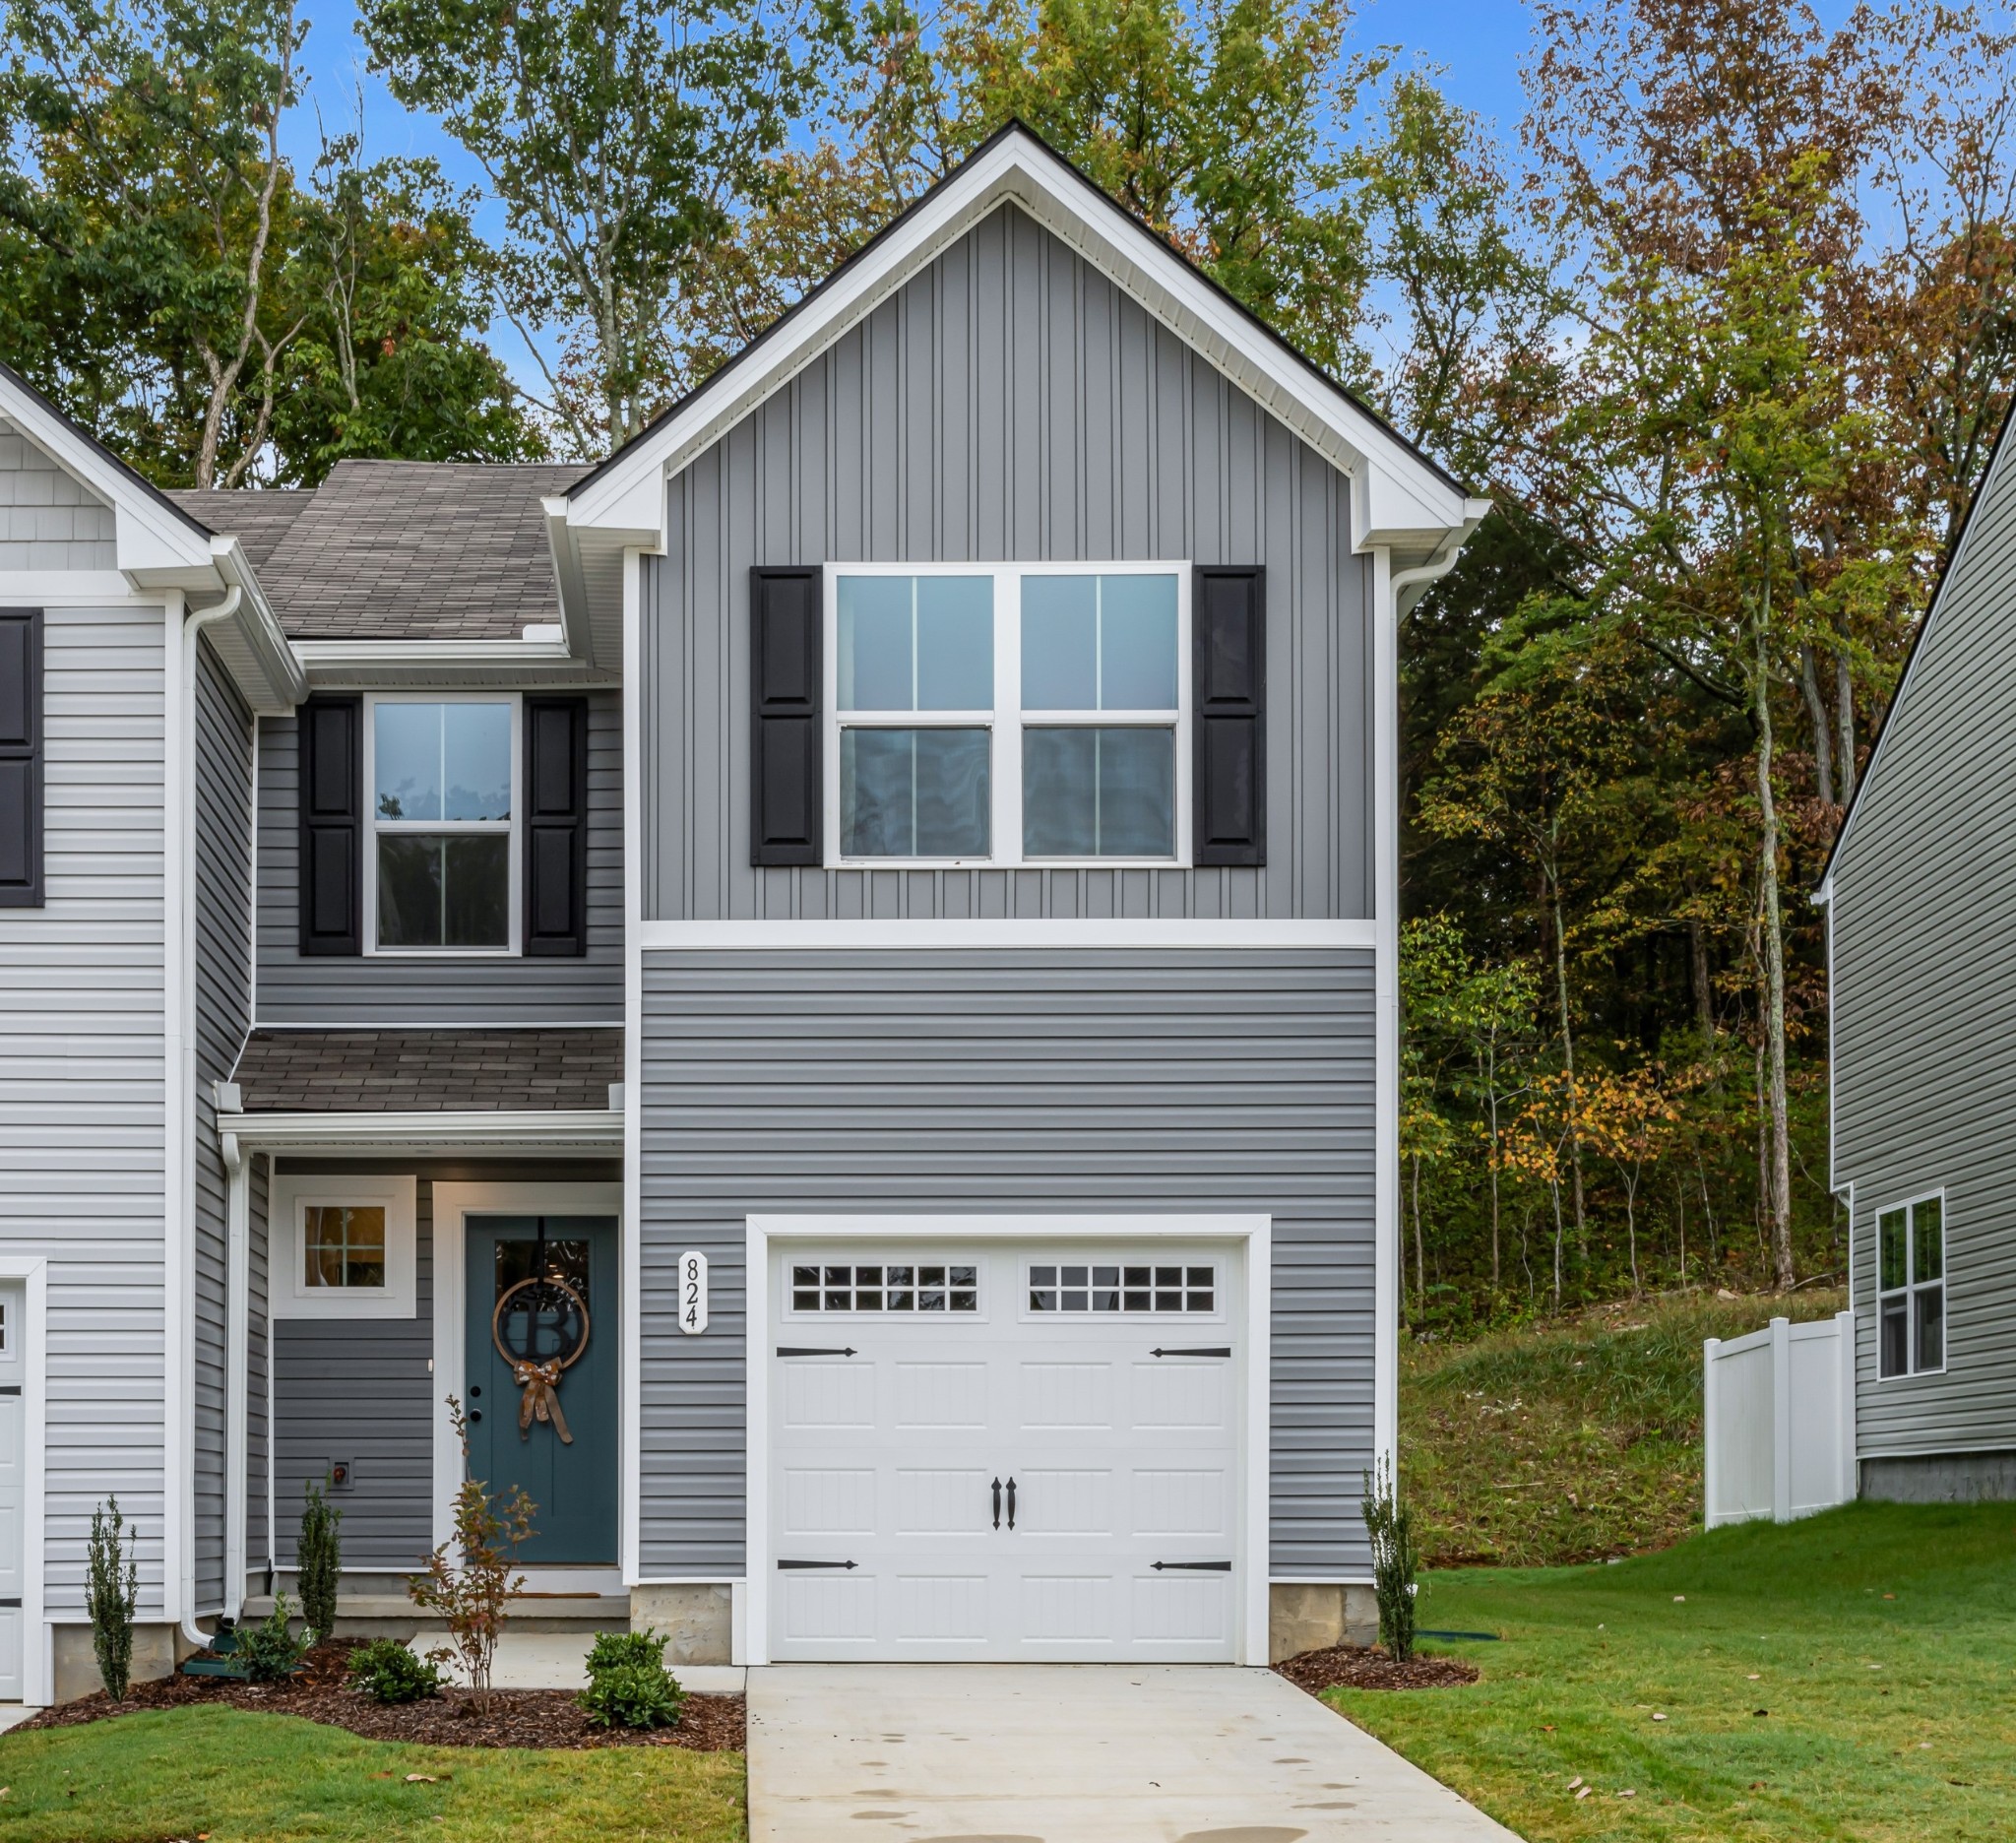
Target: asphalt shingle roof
x=401, y=550
x=370, y=1071
x=257, y=519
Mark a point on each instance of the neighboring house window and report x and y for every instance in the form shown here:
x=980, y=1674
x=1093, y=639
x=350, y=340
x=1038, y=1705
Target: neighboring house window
x=1008, y=715
x=442, y=869
x=876, y=1287
x=1911, y=1288
x=353, y=1252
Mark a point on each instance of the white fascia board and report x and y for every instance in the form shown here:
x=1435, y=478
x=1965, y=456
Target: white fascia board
x=1174, y=935
x=276, y=682
x=575, y=625
x=504, y=1133
x=629, y=498
x=397, y=663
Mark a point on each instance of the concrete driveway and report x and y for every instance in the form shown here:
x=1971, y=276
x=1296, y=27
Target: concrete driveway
x=1076, y=1753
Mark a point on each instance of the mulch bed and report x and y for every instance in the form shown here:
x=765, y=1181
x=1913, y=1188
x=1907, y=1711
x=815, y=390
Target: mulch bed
x=517, y=1718
x=1368, y=1667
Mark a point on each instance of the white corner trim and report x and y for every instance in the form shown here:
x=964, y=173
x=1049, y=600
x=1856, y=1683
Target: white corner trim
x=37, y=1658
x=287, y=1292
x=523, y=1133
x=906, y=936
x=178, y=1115
x=630, y=1396
x=1254, y=1233
x=1385, y=694
x=454, y=1204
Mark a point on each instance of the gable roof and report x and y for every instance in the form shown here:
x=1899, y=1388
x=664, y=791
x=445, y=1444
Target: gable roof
x=2003, y=453
x=1401, y=497
x=257, y=518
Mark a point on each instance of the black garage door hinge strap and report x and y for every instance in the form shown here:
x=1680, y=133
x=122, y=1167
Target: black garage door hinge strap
x=843, y=1564
x=1205, y=1567
x=1216, y=1350
x=10, y=1388
x=9, y=1603
x=793, y=1350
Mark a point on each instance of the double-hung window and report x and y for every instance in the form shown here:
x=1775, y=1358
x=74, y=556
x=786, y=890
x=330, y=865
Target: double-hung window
x=1911, y=1288
x=1008, y=715
x=441, y=870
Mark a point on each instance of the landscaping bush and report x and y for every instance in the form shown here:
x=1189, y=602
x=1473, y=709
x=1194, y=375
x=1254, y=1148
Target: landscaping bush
x=319, y=1562
x=111, y=1592
x=628, y=1685
x=387, y=1671
x=1390, y=1525
x=270, y=1651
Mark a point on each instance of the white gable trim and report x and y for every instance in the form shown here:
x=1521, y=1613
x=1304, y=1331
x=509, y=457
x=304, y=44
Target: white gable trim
x=1399, y=500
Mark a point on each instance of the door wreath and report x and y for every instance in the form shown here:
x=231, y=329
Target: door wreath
x=537, y=1375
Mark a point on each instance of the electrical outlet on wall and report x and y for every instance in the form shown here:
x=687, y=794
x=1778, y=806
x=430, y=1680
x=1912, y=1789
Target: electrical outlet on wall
x=339, y=1473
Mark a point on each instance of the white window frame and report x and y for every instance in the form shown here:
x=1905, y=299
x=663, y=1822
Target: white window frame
x=1911, y=1288
x=515, y=829
x=1007, y=719
x=286, y=1211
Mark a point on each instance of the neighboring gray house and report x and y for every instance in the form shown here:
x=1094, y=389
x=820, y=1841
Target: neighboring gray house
x=846, y=958
x=1922, y=956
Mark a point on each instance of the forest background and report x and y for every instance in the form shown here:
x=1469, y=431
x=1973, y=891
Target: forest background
x=1725, y=332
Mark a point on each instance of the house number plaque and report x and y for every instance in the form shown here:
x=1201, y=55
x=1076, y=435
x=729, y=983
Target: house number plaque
x=692, y=1292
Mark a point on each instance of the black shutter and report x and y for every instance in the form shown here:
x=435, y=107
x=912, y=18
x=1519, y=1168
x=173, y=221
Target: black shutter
x=1229, y=619
x=557, y=826
x=332, y=825
x=20, y=758
x=787, y=816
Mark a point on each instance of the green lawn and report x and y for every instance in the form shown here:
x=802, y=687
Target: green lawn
x=1882, y=1639
x=242, y=1777
x=1570, y=1441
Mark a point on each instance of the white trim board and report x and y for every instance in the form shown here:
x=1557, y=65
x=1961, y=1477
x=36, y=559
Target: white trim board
x=1254, y=1233
x=453, y=1204
x=38, y=1657
x=1047, y=933
x=500, y=1132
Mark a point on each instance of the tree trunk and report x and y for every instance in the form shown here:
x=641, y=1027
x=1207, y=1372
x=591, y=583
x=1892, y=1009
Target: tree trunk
x=1568, y=1064
x=1843, y=717
x=1554, y=1185
x=1490, y=1069
x=1816, y=714
x=1421, y=1265
x=1704, y=984
x=1774, y=969
x=1631, y=1232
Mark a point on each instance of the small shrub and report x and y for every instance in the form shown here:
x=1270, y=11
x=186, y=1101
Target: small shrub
x=111, y=1593
x=270, y=1651
x=318, y=1563
x=387, y=1671
x=1390, y=1525
x=628, y=1685
x=468, y=1594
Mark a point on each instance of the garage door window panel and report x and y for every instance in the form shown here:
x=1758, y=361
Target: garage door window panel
x=1122, y=1287
x=908, y=1287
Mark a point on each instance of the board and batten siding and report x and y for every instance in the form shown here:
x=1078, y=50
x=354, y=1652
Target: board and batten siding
x=81, y=1085
x=1040, y=1081
x=50, y=518
x=423, y=989
x=1924, y=939
x=1007, y=405
x=222, y=945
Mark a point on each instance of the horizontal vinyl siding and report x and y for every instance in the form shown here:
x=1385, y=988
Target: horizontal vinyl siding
x=82, y=1155
x=1924, y=925
x=1040, y=1082
x=49, y=520
x=439, y=989
x=223, y=996
x=1008, y=405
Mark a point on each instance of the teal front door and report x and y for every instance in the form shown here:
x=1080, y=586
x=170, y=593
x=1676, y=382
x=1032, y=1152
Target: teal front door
x=542, y=1330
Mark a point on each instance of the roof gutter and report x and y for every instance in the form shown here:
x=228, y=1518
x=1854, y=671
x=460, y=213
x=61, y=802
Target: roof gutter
x=508, y=1132
x=1421, y=575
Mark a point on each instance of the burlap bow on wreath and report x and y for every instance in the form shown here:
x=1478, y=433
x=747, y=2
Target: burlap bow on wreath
x=539, y=1380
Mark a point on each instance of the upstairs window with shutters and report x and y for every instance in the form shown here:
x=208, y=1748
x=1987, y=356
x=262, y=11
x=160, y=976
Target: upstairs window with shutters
x=1008, y=714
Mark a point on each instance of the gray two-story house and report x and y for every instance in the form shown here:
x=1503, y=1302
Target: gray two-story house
x=1922, y=964
x=831, y=979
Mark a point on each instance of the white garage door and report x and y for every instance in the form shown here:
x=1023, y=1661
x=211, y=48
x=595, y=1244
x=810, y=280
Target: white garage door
x=12, y=1489
x=1010, y=1450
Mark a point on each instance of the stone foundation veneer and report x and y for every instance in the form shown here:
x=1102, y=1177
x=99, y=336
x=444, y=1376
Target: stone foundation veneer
x=1313, y=1617
x=156, y=1651
x=1941, y=1478
x=697, y=1618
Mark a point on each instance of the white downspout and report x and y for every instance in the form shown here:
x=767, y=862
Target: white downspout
x=237, y=1404
x=180, y=969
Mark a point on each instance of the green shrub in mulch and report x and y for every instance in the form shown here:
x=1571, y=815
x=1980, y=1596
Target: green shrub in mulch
x=628, y=1685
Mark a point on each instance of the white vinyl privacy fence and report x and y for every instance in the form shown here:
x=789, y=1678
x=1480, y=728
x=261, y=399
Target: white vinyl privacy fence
x=1778, y=1421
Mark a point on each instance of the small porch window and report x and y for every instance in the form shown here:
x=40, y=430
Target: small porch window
x=1911, y=1288
x=343, y=1248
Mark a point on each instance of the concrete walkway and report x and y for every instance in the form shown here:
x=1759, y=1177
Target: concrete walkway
x=1076, y=1753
